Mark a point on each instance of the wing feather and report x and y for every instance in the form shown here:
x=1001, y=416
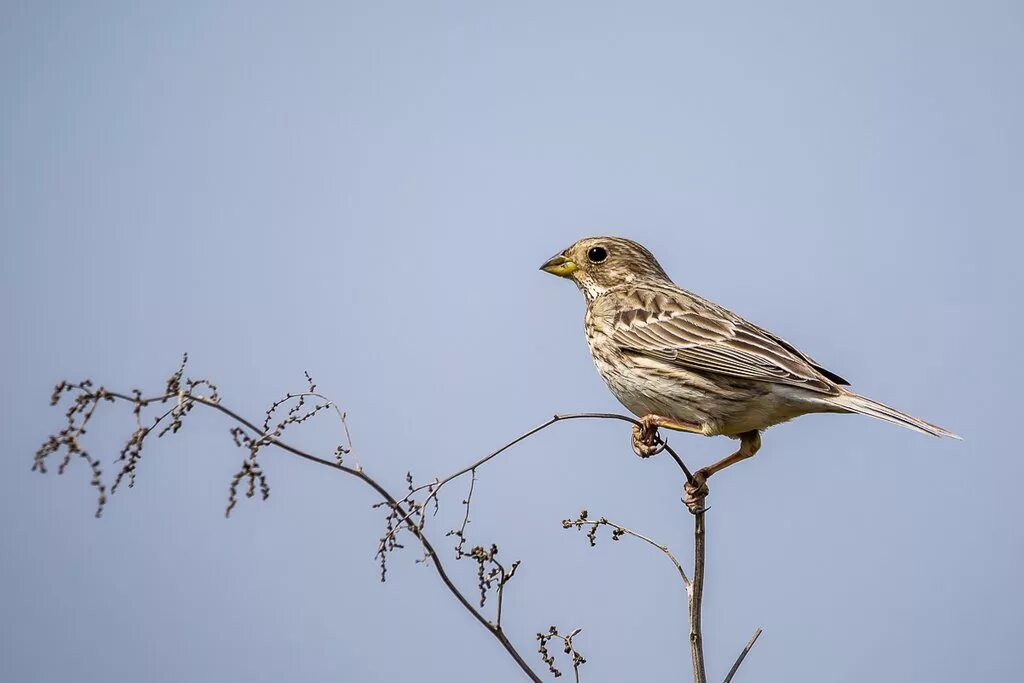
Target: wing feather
x=694, y=334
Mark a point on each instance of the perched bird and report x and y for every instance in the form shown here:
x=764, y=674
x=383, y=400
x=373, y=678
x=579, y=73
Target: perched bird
x=681, y=362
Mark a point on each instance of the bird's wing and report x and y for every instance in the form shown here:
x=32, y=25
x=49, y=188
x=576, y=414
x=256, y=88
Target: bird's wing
x=684, y=330
x=797, y=352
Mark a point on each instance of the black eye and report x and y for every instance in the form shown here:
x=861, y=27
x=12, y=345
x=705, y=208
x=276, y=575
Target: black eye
x=597, y=254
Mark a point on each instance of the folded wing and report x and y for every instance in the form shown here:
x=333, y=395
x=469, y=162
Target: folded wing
x=698, y=335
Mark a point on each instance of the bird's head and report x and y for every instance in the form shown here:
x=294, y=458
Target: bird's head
x=596, y=264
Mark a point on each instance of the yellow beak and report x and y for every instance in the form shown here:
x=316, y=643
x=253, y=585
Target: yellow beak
x=560, y=266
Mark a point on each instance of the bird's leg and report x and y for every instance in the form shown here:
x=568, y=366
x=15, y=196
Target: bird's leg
x=750, y=444
x=647, y=442
x=694, y=493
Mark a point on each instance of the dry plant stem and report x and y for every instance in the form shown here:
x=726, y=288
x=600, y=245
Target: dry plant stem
x=568, y=648
x=439, y=484
x=383, y=493
x=328, y=403
x=634, y=534
x=493, y=629
x=743, y=655
x=694, y=587
x=696, y=596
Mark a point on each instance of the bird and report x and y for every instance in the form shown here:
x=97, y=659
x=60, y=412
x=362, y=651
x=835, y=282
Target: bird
x=678, y=361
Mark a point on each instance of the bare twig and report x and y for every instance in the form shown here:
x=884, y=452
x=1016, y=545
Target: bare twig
x=694, y=587
x=618, y=531
x=491, y=574
x=743, y=655
x=413, y=528
x=460, y=533
x=437, y=485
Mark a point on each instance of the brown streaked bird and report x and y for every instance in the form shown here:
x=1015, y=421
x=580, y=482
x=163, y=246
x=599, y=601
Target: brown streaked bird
x=681, y=362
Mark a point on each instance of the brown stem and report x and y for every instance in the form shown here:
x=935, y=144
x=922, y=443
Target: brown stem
x=438, y=485
x=413, y=528
x=696, y=595
x=629, y=532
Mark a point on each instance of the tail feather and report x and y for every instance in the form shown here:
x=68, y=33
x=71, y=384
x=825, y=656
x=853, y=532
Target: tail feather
x=855, y=403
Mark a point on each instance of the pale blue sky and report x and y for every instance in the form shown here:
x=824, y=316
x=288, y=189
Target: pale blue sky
x=366, y=191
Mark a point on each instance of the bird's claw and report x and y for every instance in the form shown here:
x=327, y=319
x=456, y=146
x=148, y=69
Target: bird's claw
x=695, y=492
x=646, y=440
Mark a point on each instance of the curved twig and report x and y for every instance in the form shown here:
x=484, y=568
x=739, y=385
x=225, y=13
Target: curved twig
x=582, y=521
x=428, y=548
x=420, y=536
x=438, y=484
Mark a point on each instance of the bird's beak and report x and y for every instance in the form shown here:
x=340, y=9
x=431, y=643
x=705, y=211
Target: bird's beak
x=560, y=266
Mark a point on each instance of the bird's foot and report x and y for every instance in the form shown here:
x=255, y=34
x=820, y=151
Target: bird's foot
x=695, y=492
x=646, y=440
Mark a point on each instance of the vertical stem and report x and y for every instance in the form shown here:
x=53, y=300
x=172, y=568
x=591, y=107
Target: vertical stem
x=501, y=594
x=696, y=595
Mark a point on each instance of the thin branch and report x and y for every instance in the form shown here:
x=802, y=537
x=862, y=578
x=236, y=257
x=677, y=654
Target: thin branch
x=413, y=528
x=438, y=484
x=618, y=532
x=484, y=557
x=461, y=532
x=294, y=417
x=743, y=655
x=695, y=588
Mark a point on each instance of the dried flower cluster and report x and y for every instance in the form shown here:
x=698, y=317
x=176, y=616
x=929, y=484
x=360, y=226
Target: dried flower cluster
x=568, y=648
x=582, y=521
x=78, y=415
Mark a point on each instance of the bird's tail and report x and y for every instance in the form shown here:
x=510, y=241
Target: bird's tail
x=855, y=403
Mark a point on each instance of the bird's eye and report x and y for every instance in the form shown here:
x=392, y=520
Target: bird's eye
x=597, y=254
